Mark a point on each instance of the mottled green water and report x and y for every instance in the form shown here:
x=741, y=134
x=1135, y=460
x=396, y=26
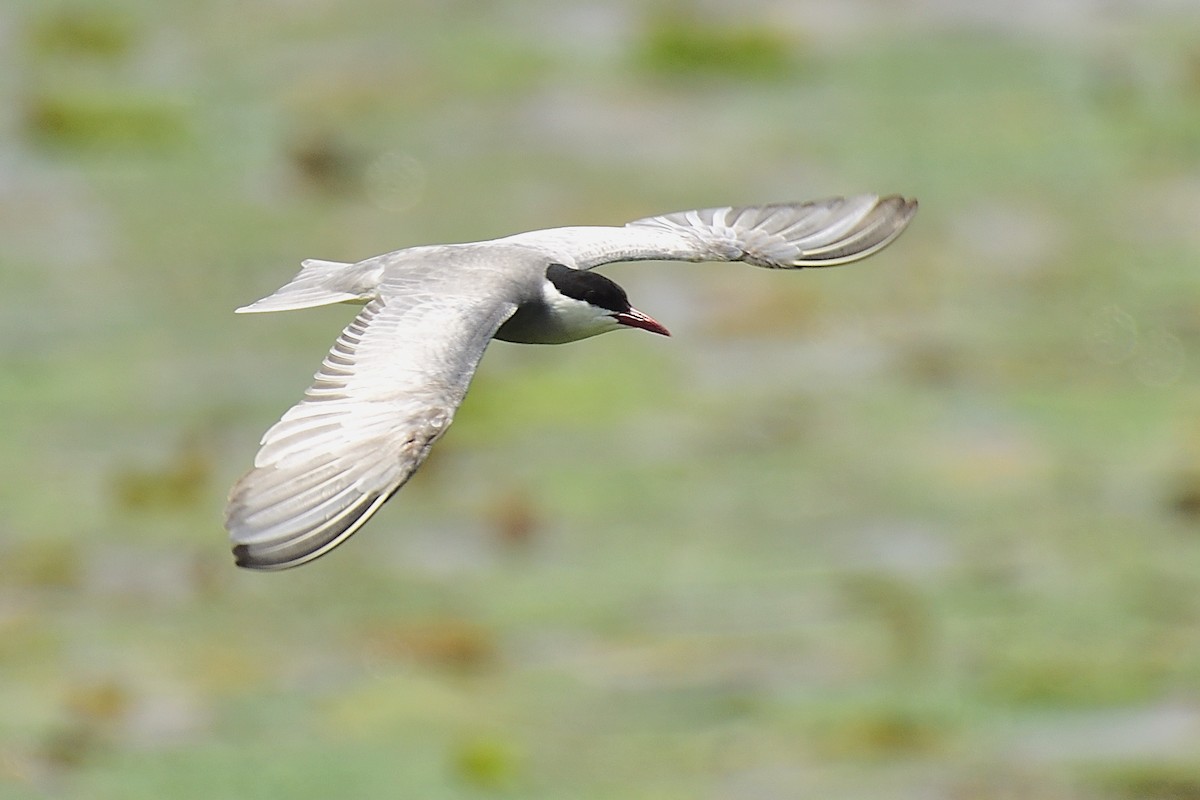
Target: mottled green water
x=928, y=526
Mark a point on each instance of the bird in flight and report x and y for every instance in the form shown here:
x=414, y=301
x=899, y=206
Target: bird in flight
x=389, y=387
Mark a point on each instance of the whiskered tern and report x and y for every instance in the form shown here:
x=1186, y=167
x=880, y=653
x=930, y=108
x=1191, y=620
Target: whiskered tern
x=388, y=389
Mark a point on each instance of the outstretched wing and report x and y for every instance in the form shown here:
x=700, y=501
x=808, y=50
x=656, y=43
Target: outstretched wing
x=820, y=233
x=386, y=392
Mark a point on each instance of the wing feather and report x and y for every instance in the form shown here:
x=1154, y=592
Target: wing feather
x=789, y=236
x=820, y=233
x=386, y=392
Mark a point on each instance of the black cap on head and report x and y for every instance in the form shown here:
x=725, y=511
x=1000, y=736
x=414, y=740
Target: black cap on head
x=590, y=287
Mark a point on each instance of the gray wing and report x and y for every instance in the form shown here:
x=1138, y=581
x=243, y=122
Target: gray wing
x=386, y=392
x=820, y=233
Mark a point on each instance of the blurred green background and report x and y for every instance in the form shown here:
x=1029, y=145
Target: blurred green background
x=927, y=526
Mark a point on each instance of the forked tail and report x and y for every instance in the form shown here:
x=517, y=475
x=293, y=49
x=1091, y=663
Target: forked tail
x=318, y=283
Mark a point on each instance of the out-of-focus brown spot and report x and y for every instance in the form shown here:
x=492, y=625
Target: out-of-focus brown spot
x=326, y=163
x=1153, y=782
x=900, y=611
x=445, y=644
x=179, y=483
x=1185, y=499
x=119, y=119
x=763, y=312
x=102, y=701
x=931, y=362
x=513, y=519
x=882, y=732
x=43, y=563
x=70, y=747
x=95, y=33
x=92, y=710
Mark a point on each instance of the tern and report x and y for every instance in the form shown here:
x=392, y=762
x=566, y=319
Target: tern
x=389, y=387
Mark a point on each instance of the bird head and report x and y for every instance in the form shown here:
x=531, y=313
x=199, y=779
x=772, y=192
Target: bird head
x=588, y=304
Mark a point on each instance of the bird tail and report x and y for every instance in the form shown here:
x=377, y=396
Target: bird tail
x=318, y=283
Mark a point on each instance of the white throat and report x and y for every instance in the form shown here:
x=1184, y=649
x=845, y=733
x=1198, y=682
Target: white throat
x=576, y=318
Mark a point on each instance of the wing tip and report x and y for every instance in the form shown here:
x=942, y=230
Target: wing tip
x=890, y=213
x=906, y=205
x=258, y=559
x=301, y=545
x=245, y=557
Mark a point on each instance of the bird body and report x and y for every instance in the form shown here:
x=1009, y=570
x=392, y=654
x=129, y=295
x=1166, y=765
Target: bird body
x=389, y=387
